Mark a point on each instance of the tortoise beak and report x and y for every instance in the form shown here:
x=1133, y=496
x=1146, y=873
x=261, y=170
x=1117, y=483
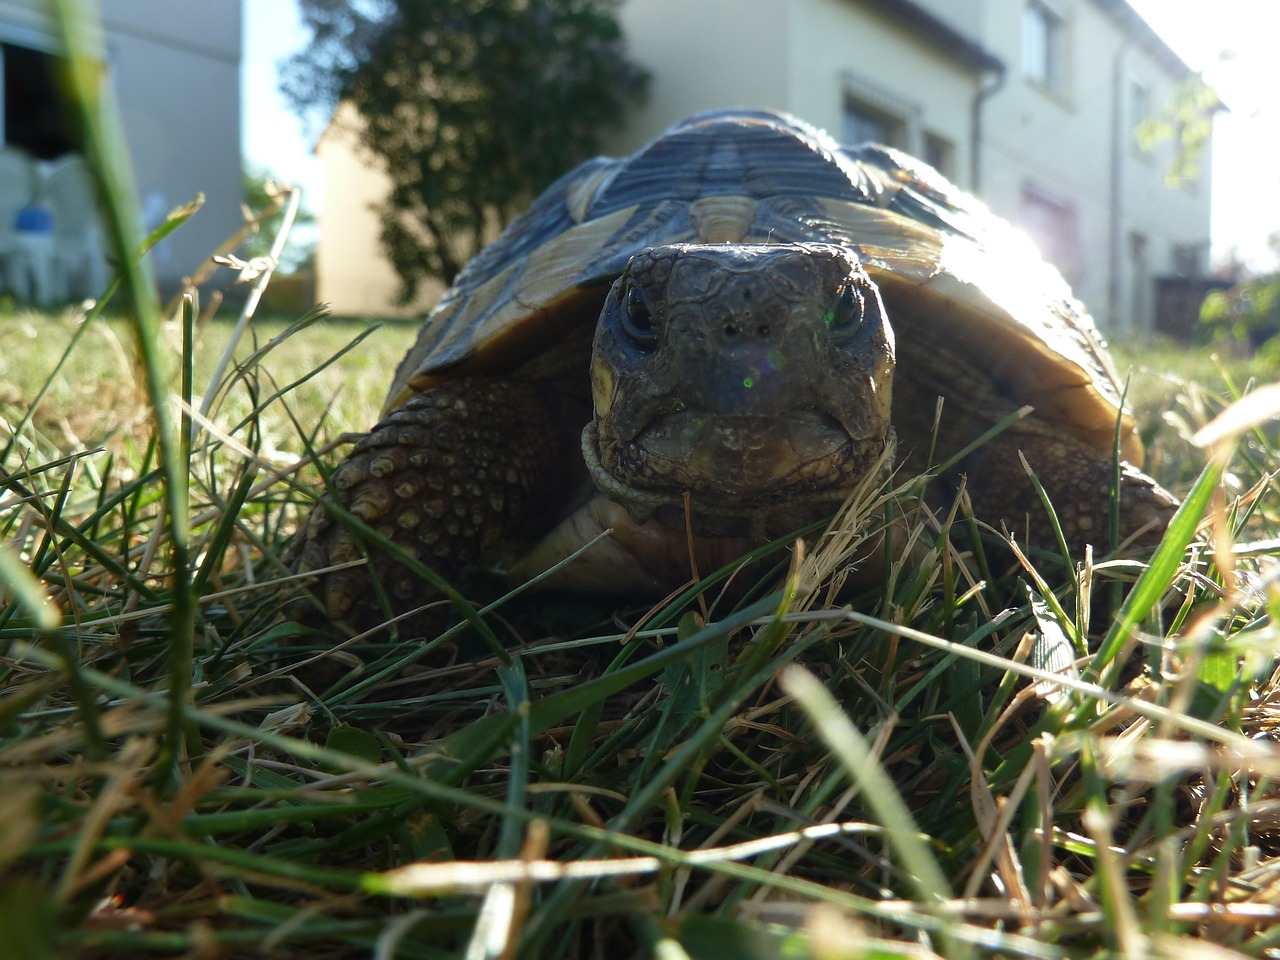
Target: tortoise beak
x=742, y=455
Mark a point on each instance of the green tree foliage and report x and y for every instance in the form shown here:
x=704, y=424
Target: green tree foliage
x=1186, y=119
x=1248, y=315
x=469, y=106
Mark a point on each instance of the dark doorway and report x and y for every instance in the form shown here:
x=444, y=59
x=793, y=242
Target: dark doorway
x=33, y=116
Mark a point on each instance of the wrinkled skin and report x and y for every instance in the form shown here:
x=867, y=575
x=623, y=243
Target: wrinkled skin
x=756, y=378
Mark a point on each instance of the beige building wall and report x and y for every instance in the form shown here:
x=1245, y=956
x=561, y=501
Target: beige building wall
x=352, y=276
x=176, y=71
x=1163, y=218
x=1055, y=147
x=800, y=56
x=966, y=15
x=841, y=50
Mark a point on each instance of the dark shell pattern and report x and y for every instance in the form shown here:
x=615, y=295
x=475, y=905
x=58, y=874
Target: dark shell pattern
x=759, y=177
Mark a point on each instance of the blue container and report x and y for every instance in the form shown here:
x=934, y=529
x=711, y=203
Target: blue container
x=34, y=218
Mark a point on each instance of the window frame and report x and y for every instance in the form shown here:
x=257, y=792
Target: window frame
x=939, y=152
x=1139, y=108
x=1044, y=52
x=875, y=102
x=870, y=115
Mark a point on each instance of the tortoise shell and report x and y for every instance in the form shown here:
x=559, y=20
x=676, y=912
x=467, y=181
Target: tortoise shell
x=957, y=281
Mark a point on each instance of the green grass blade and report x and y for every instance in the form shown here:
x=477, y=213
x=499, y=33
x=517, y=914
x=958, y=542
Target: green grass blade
x=90, y=98
x=22, y=585
x=1161, y=570
x=864, y=769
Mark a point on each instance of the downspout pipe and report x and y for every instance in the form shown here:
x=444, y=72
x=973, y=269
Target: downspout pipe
x=985, y=93
x=1115, y=206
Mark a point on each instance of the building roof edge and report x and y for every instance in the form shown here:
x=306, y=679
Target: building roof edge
x=1137, y=27
x=940, y=33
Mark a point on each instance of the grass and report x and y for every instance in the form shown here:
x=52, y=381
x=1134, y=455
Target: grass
x=1173, y=388
x=97, y=398
x=757, y=773
x=783, y=777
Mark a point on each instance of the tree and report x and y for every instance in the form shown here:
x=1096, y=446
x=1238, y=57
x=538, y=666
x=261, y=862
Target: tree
x=1186, y=119
x=469, y=106
x=1247, y=316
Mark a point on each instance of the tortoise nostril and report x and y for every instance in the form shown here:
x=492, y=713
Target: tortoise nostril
x=732, y=331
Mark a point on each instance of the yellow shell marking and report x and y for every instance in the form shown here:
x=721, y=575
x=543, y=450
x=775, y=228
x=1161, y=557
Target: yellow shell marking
x=723, y=219
x=579, y=196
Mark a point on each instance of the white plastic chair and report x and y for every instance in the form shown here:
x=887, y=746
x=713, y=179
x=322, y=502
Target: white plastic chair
x=77, y=230
x=18, y=179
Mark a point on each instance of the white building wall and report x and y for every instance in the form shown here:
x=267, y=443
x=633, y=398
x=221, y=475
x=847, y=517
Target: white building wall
x=1056, y=144
x=841, y=48
x=800, y=56
x=1074, y=147
x=965, y=15
x=704, y=55
x=1168, y=210
x=809, y=56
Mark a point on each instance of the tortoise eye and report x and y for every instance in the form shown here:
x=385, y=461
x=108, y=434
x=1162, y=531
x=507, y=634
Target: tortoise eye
x=847, y=312
x=637, y=318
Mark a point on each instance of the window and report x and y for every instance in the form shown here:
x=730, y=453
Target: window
x=1188, y=259
x=940, y=153
x=1139, y=114
x=33, y=118
x=1139, y=101
x=1053, y=225
x=1043, y=46
x=863, y=122
x=1140, y=282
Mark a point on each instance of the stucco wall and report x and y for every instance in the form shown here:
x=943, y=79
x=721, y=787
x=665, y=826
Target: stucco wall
x=965, y=15
x=1067, y=143
x=352, y=276
x=792, y=56
x=799, y=55
x=834, y=39
x=704, y=55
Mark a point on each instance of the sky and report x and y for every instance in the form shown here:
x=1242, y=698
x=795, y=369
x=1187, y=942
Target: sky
x=274, y=138
x=1234, y=46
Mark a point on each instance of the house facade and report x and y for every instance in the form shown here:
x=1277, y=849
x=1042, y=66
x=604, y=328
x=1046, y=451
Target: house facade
x=175, y=70
x=1032, y=104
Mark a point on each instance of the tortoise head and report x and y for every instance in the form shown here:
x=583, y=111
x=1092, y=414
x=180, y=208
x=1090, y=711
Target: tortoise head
x=756, y=378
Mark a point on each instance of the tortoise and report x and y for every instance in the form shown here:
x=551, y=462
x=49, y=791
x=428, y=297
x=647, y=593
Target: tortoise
x=715, y=340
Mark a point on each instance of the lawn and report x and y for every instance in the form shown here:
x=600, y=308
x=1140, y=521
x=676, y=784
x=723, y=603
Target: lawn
x=726, y=776
x=99, y=391
x=1173, y=388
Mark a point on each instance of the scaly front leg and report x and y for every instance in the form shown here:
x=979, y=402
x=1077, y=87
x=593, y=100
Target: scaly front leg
x=464, y=474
